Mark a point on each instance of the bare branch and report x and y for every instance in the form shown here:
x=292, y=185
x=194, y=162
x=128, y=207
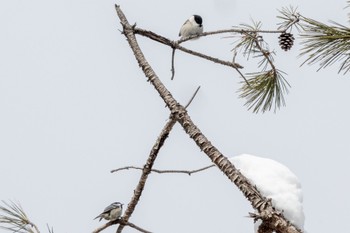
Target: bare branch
x=223, y=31
x=188, y=172
x=176, y=45
x=146, y=171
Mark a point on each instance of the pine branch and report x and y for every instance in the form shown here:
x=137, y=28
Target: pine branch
x=264, y=89
x=290, y=18
x=325, y=44
x=13, y=218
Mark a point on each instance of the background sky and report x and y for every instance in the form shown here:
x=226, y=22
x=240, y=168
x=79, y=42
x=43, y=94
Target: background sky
x=74, y=105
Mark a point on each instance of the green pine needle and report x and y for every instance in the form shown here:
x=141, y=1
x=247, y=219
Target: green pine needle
x=290, y=18
x=326, y=44
x=265, y=90
x=248, y=38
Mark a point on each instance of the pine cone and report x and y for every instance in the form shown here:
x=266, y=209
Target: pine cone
x=286, y=41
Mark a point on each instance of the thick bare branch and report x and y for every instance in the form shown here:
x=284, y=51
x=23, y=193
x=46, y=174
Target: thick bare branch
x=260, y=203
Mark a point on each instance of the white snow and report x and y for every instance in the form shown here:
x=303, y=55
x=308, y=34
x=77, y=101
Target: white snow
x=275, y=181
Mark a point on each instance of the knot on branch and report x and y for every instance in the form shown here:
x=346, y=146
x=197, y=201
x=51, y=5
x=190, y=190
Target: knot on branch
x=128, y=27
x=178, y=112
x=174, y=44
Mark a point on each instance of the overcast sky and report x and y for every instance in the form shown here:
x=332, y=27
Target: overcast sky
x=75, y=105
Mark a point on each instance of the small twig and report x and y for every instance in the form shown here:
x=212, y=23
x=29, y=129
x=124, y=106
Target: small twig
x=193, y=96
x=266, y=54
x=188, y=172
x=172, y=64
x=242, y=75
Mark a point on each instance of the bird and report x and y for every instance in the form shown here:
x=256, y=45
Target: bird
x=192, y=27
x=111, y=212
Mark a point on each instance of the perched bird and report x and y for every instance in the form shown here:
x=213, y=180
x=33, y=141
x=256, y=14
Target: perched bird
x=111, y=212
x=192, y=27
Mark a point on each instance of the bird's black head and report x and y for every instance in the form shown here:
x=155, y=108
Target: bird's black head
x=198, y=19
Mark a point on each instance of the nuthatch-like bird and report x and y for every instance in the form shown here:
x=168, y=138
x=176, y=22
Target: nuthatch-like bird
x=111, y=212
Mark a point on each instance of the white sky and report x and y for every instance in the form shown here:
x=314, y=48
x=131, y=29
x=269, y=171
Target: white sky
x=74, y=105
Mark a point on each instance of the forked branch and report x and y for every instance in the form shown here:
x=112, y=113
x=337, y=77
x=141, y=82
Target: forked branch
x=275, y=220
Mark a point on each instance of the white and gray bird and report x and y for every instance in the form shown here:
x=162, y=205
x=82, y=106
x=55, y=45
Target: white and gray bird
x=192, y=27
x=111, y=212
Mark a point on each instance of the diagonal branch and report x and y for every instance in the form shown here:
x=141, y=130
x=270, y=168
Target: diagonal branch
x=260, y=203
x=146, y=171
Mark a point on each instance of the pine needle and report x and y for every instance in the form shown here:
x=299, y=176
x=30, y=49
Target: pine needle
x=14, y=219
